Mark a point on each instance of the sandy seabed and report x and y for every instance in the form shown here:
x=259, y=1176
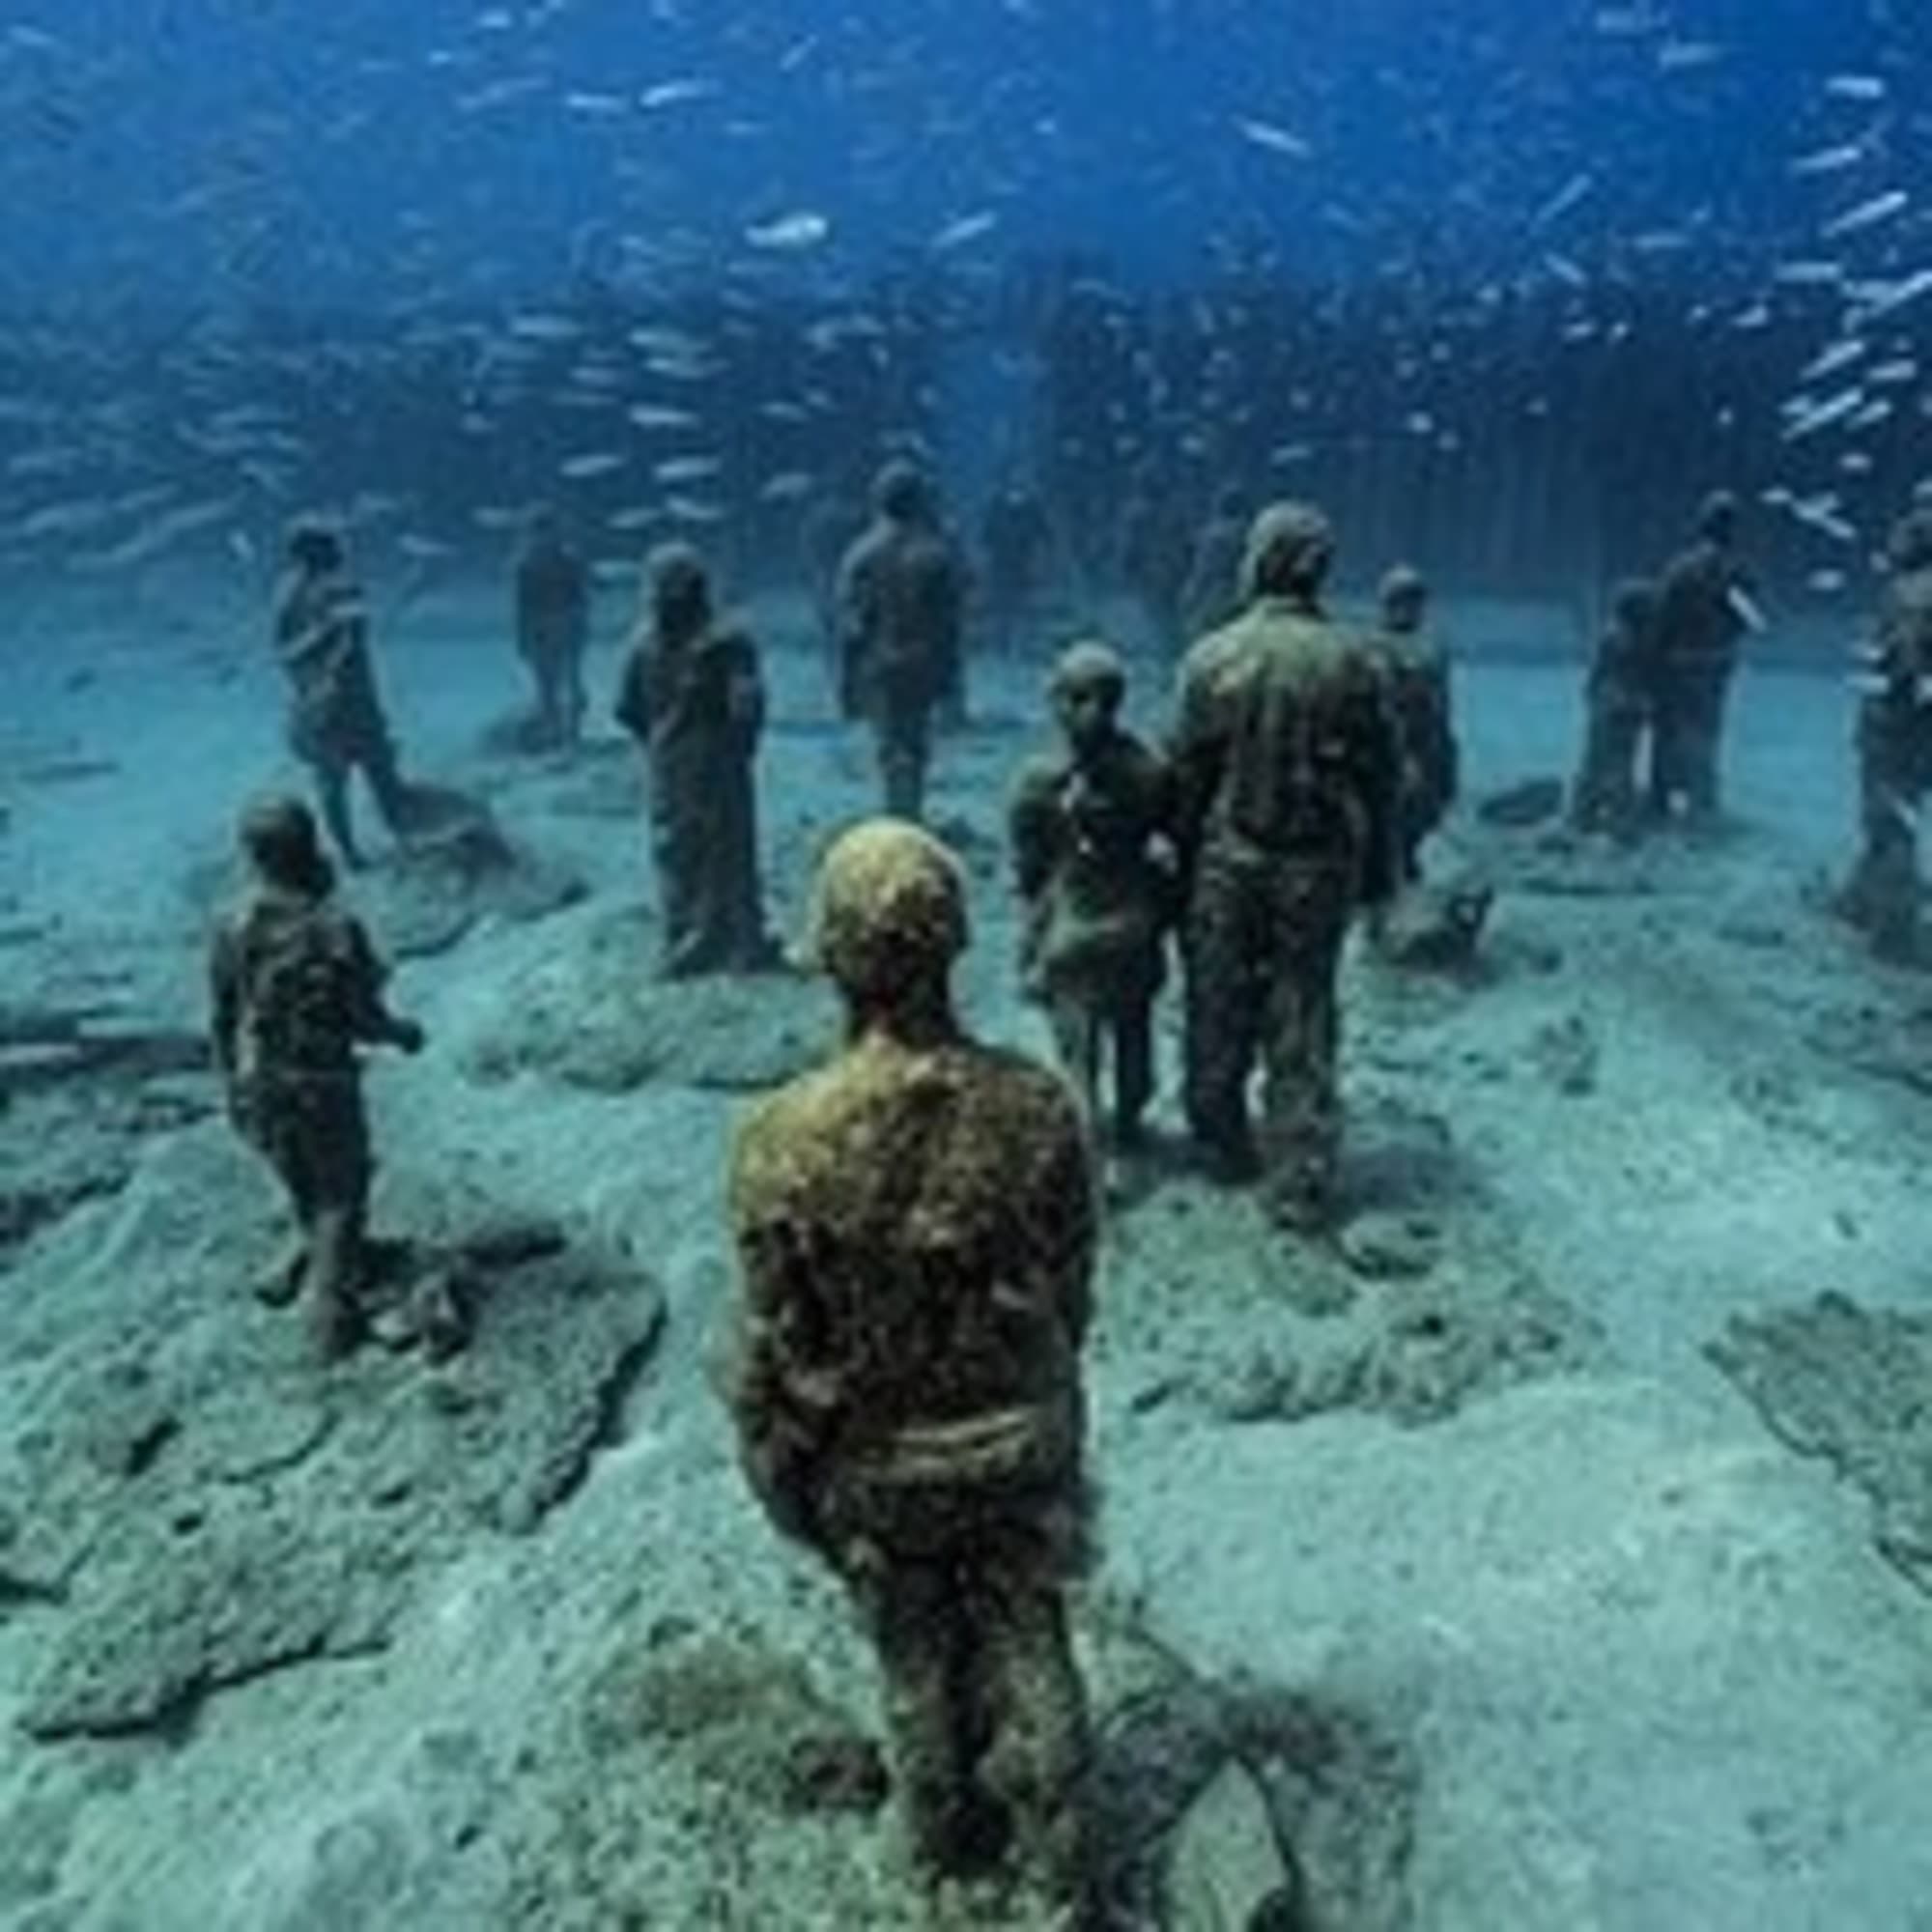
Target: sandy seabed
x=1551, y=1556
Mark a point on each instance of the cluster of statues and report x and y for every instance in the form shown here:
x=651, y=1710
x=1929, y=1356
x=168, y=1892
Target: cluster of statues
x=1660, y=684
x=915, y=1220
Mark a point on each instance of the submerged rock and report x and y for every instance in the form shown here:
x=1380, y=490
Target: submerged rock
x=1851, y=1385
x=1519, y=807
x=454, y=867
x=244, y=1511
x=595, y=1015
x=1437, y=927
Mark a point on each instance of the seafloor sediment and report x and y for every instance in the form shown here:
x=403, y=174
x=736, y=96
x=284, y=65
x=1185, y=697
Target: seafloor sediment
x=1555, y=1555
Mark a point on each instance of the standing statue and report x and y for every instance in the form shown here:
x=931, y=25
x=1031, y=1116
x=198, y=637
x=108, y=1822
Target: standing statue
x=336, y=724
x=553, y=600
x=1417, y=669
x=1288, y=767
x=694, y=699
x=1620, y=702
x=915, y=1224
x=900, y=592
x=1089, y=829
x=1894, y=744
x=1704, y=609
x=296, y=988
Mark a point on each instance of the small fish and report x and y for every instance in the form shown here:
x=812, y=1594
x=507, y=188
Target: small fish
x=681, y=369
x=1828, y=160
x=787, y=487
x=603, y=105
x=1808, y=417
x=658, y=340
x=1881, y=208
x=659, y=415
x=1877, y=301
x=591, y=464
x=539, y=327
x=1863, y=87
x=691, y=510
x=1687, y=56
x=1821, y=514
x=790, y=234
x=1277, y=140
x=1830, y=360
x=499, y=94
x=675, y=470
x=676, y=93
x=1809, y=275
x=967, y=228
x=1572, y=194
x=1826, y=583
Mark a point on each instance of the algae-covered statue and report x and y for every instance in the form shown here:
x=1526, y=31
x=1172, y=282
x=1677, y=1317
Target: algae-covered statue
x=1089, y=830
x=296, y=989
x=902, y=592
x=916, y=1229
x=1894, y=745
x=1212, y=593
x=1288, y=769
x=1417, y=667
x=693, y=697
x=336, y=722
x=1619, y=707
x=1704, y=611
x=553, y=613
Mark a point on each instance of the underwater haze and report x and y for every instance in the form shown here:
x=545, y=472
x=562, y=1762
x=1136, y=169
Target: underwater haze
x=490, y=493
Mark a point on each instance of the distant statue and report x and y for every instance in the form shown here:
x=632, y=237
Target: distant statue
x=1417, y=667
x=1704, y=611
x=693, y=697
x=1089, y=828
x=1620, y=698
x=1894, y=740
x=1211, y=594
x=296, y=989
x=336, y=724
x=1288, y=766
x=901, y=591
x=552, y=611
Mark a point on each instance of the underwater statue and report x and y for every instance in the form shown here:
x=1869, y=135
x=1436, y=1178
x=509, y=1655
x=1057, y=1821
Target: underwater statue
x=1089, y=828
x=1211, y=594
x=1704, y=609
x=1288, y=764
x=1418, y=675
x=1150, y=557
x=1016, y=545
x=901, y=589
x=915, y=1224
x=1619, y=703
x=1894, y=745
x=552, y=612
x=296, y=989
x=336, y=722
x=693, y=697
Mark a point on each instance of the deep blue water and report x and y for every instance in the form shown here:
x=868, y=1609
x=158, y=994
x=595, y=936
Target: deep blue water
x=367, y=149
x=1507, y=283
